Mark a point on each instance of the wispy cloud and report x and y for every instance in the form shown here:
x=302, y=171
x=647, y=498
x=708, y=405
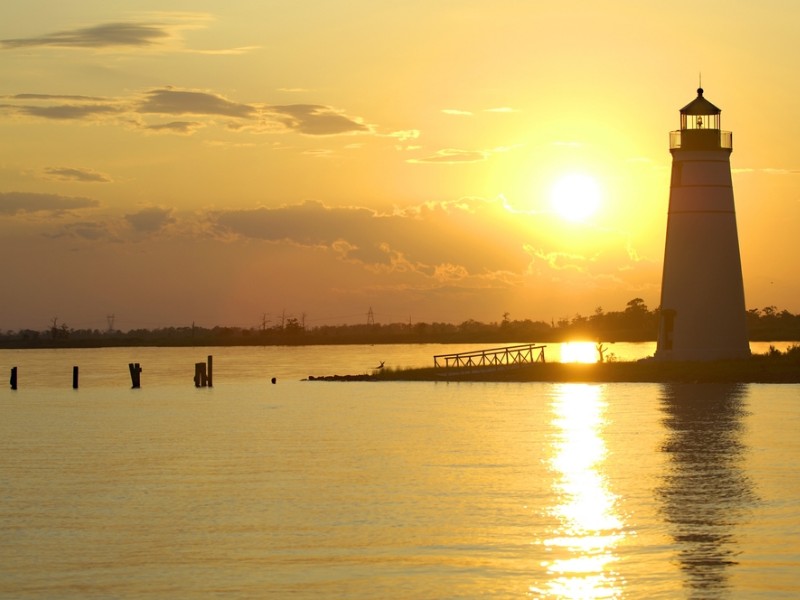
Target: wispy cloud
x=453, y=156
x=151, y=219
x=306, y=119
x=316, y=119
x=169, y=101
x=178, y=127
x=12, y=203
x=456, y=112
x=405, y=135
x=105, y=35
x=558, y=260
x=50, y=97
x=66, y=112
x=92, y=231
x=72, y=174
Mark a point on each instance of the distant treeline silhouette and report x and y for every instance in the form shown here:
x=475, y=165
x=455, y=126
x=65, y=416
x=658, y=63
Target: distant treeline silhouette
x=636, y=323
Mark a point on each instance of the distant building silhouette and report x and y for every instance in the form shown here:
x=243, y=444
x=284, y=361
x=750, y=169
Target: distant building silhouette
x=703, y=314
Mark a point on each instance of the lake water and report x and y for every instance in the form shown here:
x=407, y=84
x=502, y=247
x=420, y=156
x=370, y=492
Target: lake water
x=387, y=490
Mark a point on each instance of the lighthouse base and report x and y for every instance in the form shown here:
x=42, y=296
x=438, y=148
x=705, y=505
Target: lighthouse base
x=703, y=354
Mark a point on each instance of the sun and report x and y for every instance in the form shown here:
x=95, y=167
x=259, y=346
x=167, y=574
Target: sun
x=575, y=196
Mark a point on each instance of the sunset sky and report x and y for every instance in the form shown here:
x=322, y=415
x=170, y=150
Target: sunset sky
x=213, y=162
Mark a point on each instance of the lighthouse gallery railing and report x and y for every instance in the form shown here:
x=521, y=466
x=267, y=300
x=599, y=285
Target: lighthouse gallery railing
x=724, y=141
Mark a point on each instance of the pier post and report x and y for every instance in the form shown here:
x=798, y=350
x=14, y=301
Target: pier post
x=200, y=377
x=210, y=373
x=136, y=372
x=13, y=381
x=74, y=378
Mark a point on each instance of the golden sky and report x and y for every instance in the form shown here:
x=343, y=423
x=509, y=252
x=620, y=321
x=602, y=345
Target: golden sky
x=170, y=162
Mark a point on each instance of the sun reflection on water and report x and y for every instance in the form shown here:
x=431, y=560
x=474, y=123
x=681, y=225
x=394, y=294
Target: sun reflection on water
x=588, y=526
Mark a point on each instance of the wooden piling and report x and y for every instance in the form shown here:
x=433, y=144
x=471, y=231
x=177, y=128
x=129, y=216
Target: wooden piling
x=74, y=378
x=13, y=381
x=200, y=376
x=136, y=372
x=210, y=374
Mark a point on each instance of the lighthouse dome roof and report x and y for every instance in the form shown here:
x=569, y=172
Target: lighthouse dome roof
x=700, y=106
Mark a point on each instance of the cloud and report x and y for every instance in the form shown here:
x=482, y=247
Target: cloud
x=106, y=35
x=559, y=260
x=315, y=119
x=318, y=152
x=453, y=156
x=12, y=203
x=168, y=101
x=307, y=119
x=55, y=97
x=405, y=135
x=61, y=106
x=86, y=230
x=66, y=111
x=71, y=174
x=151, y=219
x=456, y=112
x=420, y=238
x=179, y=127
x=441, y=245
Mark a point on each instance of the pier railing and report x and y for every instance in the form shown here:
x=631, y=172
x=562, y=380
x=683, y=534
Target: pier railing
x=521, y=354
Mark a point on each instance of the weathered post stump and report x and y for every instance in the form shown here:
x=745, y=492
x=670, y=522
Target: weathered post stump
x=200, y=377
x=136, y=372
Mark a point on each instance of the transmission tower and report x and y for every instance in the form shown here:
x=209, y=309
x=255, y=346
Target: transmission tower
x=370, y=317
x=110, y=319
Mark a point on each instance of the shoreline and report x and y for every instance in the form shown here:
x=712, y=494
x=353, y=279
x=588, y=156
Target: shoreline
x=757, y=369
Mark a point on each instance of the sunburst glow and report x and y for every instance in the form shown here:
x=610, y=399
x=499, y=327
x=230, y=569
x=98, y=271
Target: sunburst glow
x=575, y=196
x=583, y=352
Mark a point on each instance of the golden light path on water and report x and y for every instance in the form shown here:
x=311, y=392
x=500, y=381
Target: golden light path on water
x=589, y=528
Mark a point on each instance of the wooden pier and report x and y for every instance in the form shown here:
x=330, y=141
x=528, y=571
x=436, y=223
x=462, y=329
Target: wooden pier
x=522, y=354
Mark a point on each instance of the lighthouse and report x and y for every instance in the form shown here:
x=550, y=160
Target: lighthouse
x=702, y=314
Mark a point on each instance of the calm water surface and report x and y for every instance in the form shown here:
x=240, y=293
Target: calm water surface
x=387, y=490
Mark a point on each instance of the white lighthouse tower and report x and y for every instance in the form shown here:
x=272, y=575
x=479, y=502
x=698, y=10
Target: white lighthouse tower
x=703, y=313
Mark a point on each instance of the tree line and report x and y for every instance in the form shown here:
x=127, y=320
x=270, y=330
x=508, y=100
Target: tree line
x=635, y=323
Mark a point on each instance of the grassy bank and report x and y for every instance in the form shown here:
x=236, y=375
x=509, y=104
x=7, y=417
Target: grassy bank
x=780, y=368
